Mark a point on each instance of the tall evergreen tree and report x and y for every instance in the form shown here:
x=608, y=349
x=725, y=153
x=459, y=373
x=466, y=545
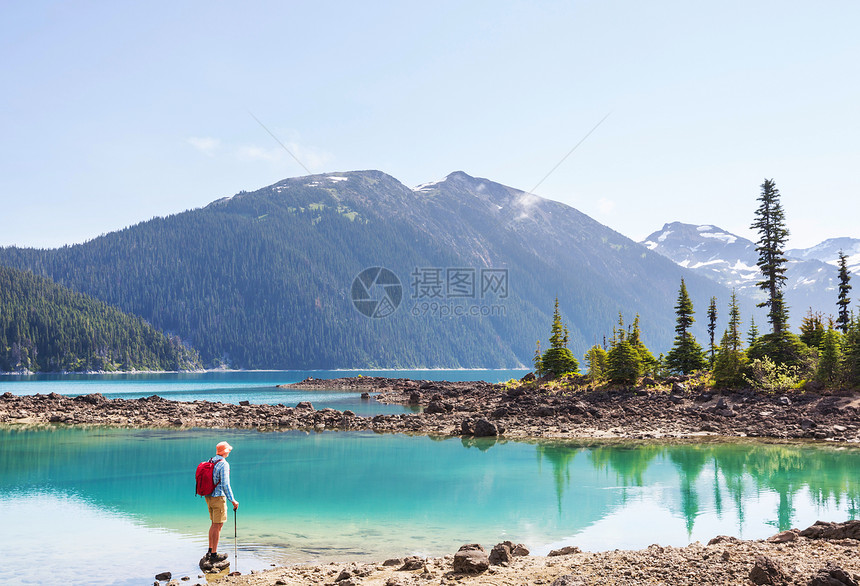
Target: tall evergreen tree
x=730, y=359
x=558, y=359
x=712, y=328
x=752, y=334
x=843, y=319
x=686, y=355
x=773, y=235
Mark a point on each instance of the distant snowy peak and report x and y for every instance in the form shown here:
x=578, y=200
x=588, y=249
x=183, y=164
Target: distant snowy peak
x=731, y=260
x=828, y=251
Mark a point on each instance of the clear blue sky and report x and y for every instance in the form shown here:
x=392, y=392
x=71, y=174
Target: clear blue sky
x=114, y=112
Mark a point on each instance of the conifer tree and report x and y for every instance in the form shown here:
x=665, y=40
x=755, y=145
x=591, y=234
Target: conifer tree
x=649, y=363
x=730, y=359
x=624, y=364
x=812, y=328
x=851, y=355
x=752, y=334
x=712, y=328
x=558, y=359
x=597, y=360
x=686, y=355
x=829, y=357
x=773, y=235
x=843, y=319
x=538, y=360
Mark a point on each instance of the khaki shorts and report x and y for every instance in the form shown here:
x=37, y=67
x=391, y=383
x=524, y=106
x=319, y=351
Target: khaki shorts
x=217, y=508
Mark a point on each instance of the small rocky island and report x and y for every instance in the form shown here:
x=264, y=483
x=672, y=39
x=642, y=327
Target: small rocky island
x=680, y=408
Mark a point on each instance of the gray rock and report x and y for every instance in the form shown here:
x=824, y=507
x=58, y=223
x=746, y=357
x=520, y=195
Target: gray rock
x=393, y=562
x=412, y=563
x=783, y=537
x=825, y=530
x=501, y=554
x=520, y=550
x=567, y=580
x=163, y=576
x=567, y=550
x=832, y=575
x=483, y=428
x=767, y=571
x=471, y=559
x=435, y=407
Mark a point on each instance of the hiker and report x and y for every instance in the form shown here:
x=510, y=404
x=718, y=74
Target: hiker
x=217, y=501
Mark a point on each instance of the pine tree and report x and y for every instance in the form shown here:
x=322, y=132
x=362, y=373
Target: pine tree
x=843, y=319
x=752, y=334
x=829, y=357
x=773, y=235
x=812, y=328
x=624, y=364
x=538, y=360
x=686, y=355
x=558, y=359
x=851, y=355
x=597, y=360
x=649, y=363
x=730, y=359
x=712, y=328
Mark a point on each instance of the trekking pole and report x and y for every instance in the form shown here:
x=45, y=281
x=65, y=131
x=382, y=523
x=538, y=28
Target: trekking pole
x=235, y=542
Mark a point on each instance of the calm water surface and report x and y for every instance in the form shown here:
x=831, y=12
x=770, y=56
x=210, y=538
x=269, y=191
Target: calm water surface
x=116, y=506
x=234, y=386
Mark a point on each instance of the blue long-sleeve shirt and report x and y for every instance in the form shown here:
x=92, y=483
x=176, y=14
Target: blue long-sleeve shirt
x=221, y=476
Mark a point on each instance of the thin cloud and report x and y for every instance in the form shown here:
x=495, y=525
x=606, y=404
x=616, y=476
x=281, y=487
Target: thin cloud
x=206, y=145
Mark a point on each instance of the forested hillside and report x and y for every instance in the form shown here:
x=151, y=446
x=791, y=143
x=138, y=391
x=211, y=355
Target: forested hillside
x=46, y=327
x=264, y=279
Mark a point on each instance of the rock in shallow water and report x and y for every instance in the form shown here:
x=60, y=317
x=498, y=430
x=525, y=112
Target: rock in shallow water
x=471, y=559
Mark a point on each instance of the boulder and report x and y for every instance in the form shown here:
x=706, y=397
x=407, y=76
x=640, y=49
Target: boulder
x=767, y=571
x=211, y=567
x=528, y=378
x=412, y=563
x=832, y=575
x=567, y=550
x=501, y=554
x=163, y=576
x=825, y=530
x=471, y=559
x=784, y=537
x=305, y=405
x=520, y=550
x=484, y=428
x=466, y=427
x=435, y=407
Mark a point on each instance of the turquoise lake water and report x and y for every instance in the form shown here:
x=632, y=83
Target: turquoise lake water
x=116, y=506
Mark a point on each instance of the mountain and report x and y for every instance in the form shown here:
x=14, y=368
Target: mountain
x=46, y=327
x=266, y=279
x=828, y=251
x=731, y=260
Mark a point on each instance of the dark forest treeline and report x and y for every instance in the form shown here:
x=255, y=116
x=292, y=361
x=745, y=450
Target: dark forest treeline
x=46, y=327
x=263, y=279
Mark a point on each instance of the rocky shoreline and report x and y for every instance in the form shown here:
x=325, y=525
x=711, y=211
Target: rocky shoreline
x=824, y=554
x=526, y=410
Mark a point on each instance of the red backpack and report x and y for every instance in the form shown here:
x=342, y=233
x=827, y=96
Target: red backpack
x=203, y=476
